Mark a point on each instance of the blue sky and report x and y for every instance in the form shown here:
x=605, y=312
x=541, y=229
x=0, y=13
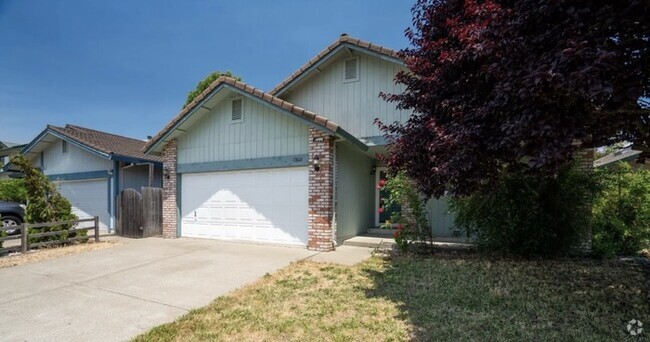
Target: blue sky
x=126, y=66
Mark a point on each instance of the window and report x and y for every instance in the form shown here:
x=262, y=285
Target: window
x=351, y=70
x=64, y=146
x=237, y=112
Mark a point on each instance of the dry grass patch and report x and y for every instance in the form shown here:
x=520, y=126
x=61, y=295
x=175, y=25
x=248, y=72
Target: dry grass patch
x=445, y=297
x=52, y=253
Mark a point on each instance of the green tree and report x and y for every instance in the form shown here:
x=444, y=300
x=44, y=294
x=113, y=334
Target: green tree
x=205, y=83
x=45, y=203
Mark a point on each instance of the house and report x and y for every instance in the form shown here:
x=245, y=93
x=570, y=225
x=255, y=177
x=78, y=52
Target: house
x=627, y=155
x=91, y=167
x=295, y=165
x=7, y=151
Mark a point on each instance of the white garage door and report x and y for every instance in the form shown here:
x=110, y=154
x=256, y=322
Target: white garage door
x=88, y=198
x=258, y=205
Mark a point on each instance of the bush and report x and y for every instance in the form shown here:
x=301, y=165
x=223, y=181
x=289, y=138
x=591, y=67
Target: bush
x=45, y=203
x=13, y=190
x=528, y=215
x=622, y=212
x=411, y=219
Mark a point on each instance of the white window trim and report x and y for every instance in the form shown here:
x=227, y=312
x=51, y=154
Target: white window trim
x=243, y=110
x=356, y=79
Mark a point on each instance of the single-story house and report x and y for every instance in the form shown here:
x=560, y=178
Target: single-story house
x=294, y=165
x=7, y=151
x=91, y=167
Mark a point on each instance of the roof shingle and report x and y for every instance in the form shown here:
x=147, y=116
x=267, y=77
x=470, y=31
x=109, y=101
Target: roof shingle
x=106, y=142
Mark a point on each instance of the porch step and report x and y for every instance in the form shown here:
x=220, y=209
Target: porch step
x=371, y=241
x=380, y=232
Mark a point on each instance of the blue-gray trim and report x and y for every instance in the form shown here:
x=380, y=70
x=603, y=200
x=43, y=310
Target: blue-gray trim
x=109, y=181
x=355, y=142
x=79, y=175
x=42, y=160
x=132, y=160
x=179, y=218
x=116, y=191
x=245, y=164
x=327, y=56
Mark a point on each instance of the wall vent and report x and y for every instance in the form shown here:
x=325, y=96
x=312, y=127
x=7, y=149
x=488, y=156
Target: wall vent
x=351, y=69
x=237, y=113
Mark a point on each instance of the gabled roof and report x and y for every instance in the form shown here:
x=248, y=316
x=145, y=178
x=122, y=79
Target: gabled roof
x=105, y=145
x=343, y=42
x=256, y=95
x=7, y=144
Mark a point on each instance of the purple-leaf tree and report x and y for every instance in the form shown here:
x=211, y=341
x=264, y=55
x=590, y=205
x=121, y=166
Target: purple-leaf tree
x=517, y=85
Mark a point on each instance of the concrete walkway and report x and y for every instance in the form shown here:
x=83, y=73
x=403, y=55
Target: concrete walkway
x=117, y=293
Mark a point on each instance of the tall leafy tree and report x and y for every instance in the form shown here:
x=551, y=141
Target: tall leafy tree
x=517, y=85
x=205, y=83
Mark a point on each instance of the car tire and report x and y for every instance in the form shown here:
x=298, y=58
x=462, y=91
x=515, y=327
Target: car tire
x=9, y=221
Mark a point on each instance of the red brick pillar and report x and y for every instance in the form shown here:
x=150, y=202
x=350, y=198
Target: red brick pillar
x=321, y=182
x=169, y=206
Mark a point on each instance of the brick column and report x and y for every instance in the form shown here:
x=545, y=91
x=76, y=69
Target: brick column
x=169, y=206
x=321, y=182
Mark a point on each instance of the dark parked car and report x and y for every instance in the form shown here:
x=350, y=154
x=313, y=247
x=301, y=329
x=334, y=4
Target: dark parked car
x=11, y=214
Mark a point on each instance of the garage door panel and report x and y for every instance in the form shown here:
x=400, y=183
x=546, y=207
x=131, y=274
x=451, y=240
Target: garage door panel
x=89, y=198
x=260, y=205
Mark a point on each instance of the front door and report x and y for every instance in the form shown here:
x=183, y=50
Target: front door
x=381, y=216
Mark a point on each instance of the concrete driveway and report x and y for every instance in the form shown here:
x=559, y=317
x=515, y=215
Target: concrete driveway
x=117, y=293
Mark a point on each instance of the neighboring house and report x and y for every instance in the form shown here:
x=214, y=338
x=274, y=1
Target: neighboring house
x=91, y=167
x=7, y=151
x=296, y=165
x=626, y=155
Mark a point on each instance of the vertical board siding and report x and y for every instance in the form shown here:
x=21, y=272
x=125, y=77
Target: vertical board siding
x=353, y=105
x=355, y=192
x=75, y=160
x=264, y=132
x=137, y=176
x=440, y=218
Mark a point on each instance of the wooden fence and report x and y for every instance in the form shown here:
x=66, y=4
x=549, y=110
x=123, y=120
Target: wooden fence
x=24, y=236
x=139, y=215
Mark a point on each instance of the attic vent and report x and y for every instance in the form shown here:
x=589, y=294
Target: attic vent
x=352, y=69
x=237, y=110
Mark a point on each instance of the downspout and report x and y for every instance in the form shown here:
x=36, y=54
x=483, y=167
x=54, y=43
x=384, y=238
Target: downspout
x=334, y=202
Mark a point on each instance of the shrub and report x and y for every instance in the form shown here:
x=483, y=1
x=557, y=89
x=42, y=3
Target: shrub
x=411, y=219
x=622, y=212
x=13, y=190
x=45, y=203
x=529, y=215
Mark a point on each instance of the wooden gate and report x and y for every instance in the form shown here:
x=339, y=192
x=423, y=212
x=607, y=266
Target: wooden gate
x=139, y=215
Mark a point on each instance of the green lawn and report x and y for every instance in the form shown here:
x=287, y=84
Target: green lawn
x=445, y=297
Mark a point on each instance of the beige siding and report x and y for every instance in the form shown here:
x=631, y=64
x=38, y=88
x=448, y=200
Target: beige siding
x=264, y=132
x=75, y=160
x=353, y=105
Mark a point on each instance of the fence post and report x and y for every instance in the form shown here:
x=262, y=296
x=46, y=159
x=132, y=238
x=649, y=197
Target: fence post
x=23, y=237
x=96, y=228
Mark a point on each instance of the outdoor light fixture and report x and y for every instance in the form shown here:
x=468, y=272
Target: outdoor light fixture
x=166, y=172
x=373, y=170
x=316, y=163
